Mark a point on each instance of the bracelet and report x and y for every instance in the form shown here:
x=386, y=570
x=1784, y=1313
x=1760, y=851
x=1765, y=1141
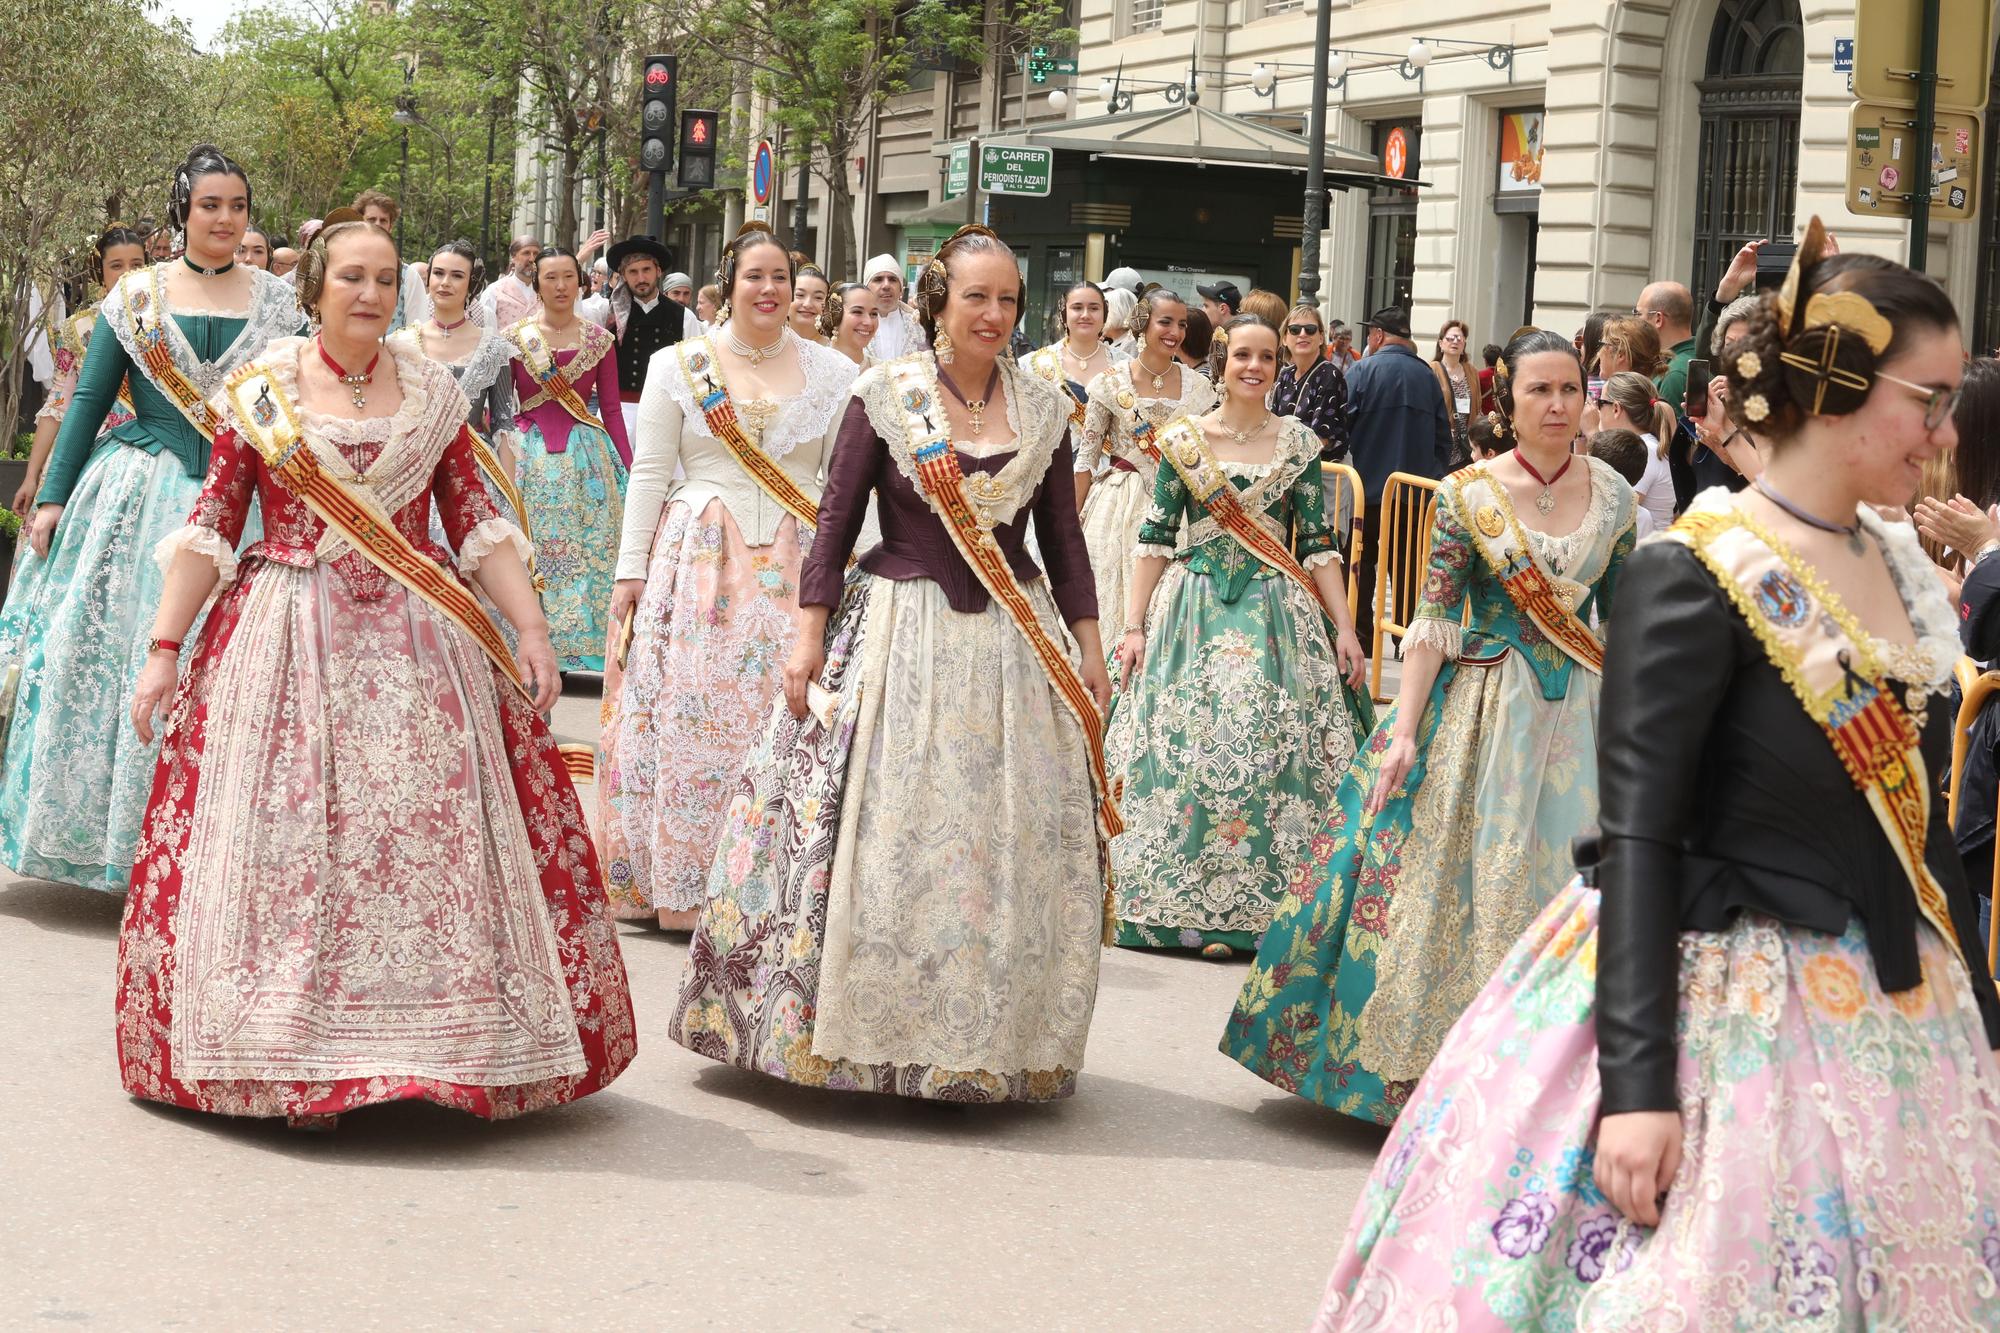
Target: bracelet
x=164, y=646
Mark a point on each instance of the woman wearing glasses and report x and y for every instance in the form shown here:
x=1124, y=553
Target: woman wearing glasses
x=1311, y=387
x=1743, y=1074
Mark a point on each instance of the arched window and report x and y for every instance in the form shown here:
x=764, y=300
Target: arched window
x=1984, y=325
x=1748, y=179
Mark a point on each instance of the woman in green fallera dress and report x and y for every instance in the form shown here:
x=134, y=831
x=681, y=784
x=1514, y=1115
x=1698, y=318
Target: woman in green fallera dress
x=1235, y=729
x=1452, y=829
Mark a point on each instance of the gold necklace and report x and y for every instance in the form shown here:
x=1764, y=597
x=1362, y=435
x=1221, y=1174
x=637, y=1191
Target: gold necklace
x=757, y=356
x=1159, y=376
x=1242, y=437
x=975, y=411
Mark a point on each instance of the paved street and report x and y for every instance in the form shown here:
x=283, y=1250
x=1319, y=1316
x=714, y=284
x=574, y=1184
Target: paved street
x=1175, y=1191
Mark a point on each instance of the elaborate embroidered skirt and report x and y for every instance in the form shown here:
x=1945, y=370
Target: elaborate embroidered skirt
x=910, y=901
x=1371, y=958
x=76, y=776
x=576, y=504
x=1841, y=1162
x=708, y=645
x=1111, y=516
x=1231, y=745
x=420, y=916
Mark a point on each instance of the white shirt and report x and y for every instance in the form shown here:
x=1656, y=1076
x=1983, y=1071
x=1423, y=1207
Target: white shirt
x=1655, y=490
x=596, y=309
x=899, y=334
x=41, y=358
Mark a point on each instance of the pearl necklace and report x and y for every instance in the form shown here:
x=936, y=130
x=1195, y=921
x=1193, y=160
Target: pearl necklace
x=1159, y=377
x=757, y=356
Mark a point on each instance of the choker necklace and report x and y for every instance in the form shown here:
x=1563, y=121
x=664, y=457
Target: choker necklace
x=1546, y=501
x=1851, y=531
x=975, y=408
x=208, y=272
x=443, y=327
x=757, y=356
x=357, y=384
x=1242, y=437
x=1159, y=377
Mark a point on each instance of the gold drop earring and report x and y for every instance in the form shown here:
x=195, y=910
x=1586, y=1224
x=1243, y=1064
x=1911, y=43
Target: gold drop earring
x=943, y=346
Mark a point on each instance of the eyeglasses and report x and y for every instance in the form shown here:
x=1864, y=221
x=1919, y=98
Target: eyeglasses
x=1938, y=403
x=1296, y=329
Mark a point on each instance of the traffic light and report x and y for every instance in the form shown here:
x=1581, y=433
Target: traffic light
x=656, y=113
x=697, y=150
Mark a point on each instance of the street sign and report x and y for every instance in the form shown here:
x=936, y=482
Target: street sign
x=1888, y=50
x=1843, y=55
x=1040, y=64
x=1396, y=153
x=1885, y=162
x=1012, y=170
x=760, y=172
x=958, y=171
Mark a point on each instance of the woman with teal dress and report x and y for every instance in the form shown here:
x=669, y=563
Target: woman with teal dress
x=1452, y=829
x=1235, y=728
x=574, y=459
x=75, y=780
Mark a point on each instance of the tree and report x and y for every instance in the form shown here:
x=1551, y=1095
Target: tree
x=101, y=104
x=825, y=67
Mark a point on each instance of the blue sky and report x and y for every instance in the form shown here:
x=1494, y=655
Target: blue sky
x=204, y=17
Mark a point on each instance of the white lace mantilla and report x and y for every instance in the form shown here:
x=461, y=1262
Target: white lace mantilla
x=273, y=314
x=475, y=374
x=1296, y=450
x=804, y=417
x=1038, y=410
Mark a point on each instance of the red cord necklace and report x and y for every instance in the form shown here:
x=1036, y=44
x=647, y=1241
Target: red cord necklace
x=1546, y=501
x=358, y=384
x=443, y=327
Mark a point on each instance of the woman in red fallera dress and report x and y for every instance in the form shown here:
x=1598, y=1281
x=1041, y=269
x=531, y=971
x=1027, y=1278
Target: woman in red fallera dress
x=364, y=875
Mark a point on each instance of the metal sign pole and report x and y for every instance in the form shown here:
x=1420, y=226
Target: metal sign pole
x=1926, y=138
x=1315, y=211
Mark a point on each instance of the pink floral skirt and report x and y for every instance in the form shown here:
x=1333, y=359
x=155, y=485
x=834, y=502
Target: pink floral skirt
x=1841, y=1165
x=711, y=636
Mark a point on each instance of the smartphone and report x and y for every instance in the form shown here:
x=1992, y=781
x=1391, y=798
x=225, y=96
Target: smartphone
x=1695, y=403
x=1594, y=389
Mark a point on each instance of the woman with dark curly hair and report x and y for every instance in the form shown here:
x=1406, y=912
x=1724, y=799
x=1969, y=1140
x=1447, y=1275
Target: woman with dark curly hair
x=167, y=336
x=908, y=896
x=1741, y=1072
x=1452, y=828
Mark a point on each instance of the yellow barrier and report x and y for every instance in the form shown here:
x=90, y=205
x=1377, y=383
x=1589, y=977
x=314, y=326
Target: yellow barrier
x=1343, y=515
x=1408, y=504
x=1975, y=689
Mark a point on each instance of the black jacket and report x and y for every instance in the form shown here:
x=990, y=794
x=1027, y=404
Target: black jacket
x=1720, y=795
x=1979, y=631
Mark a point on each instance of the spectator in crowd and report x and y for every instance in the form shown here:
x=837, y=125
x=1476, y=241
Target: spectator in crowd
x=1220, y=301
x=1628, y=401
x=898, y=333
x=1630, y=343
x=1341, y=342
x=1627, y=452
x=511, y=298
x=1490, y=354
x=1486, y=439
x=1310, y=387
x=1267, y=306
x=1456, y=381
x=160, y=244
x=1195, y=344
x=1126, y=278
x=1396, y=422
x=1119, y=303
x=1590, y=341
x=254, y=250
x=413, y=301
x=1669, y=308
x=709, y=300
x=283, y=260
x=678, y=288
x=1730, y=323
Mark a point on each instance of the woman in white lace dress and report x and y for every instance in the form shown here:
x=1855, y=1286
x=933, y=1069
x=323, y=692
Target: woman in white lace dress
x=710, y=560
x=1128, y=405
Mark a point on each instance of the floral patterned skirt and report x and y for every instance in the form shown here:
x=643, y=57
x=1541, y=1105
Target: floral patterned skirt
x=1231, y=745
x=1368, y=962
x=910, y=900
x=75, y=778
x=712, y=633
x=420, y=916
x=1111, y=516
x=1840, y=1170
x=576, y=505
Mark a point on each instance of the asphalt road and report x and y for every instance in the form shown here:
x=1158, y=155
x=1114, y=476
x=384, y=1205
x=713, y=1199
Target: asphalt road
x=1174, y=1191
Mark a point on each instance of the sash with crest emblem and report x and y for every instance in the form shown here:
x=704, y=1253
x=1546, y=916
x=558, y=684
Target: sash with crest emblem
x=558, y=384
x=1487, y=514
x=704, y=377
x=1186, y=451
x=1047, y=365
x=146, y=302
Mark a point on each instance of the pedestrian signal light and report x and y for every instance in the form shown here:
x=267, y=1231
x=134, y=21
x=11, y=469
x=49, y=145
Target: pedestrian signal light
x=697, y=150
x=656, y=112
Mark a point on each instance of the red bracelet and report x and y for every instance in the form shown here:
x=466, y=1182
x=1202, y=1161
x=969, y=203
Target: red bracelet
x=167, y=645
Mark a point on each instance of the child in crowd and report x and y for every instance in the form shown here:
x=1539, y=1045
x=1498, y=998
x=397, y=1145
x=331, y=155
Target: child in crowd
x=1625, y=450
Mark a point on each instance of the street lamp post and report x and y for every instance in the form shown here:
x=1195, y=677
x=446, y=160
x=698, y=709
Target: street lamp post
x=1315, y=202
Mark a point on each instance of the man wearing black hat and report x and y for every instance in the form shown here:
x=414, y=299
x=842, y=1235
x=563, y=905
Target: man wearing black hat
x=1396, y=422
x=1219, y=301
x=642, y=319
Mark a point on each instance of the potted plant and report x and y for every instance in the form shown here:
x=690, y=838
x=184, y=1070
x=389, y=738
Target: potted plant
x=13, y=471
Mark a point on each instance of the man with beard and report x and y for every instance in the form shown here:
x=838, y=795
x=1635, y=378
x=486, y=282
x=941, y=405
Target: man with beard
x=511, y=297
x=642, y=319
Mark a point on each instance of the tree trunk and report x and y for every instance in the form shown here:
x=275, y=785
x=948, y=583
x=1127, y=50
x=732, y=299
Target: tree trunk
x=572, y=158
x=839, y=219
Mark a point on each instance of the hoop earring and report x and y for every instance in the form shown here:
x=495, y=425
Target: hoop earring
x=942, y=345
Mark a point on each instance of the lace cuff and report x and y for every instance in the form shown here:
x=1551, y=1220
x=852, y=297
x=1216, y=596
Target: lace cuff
x=1148, y=548
x=1318, y=558
x=1447, y=636
x=488, y=537
x=54, y=409
x=201, y=541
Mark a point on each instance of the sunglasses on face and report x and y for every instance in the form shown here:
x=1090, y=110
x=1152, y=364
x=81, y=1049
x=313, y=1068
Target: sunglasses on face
x=1296, y=329
x=1938, y=403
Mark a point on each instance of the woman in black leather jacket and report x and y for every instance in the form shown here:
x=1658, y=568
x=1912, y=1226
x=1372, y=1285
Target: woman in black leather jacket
x=1750, y=1081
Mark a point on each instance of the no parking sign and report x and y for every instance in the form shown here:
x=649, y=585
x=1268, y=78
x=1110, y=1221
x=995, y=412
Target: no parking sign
x=760, y=172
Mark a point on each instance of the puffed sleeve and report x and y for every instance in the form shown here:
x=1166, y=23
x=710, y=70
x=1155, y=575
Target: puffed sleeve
x=1159, y=530
x=608, y=409
x=216, y=525
x=1097, y=424
x=1059, y=534
x=654, y=459
x=67, y=367
x=1314, y=542
x=1667, y=666
x=1439, y=619
x=104, y=369
x=859, y=455
x=472, y=522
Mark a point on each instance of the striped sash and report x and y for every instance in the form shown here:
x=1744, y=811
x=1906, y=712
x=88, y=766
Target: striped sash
x=704, y=376
x=1187, y=451
x=557, y=384
x=1503, y=544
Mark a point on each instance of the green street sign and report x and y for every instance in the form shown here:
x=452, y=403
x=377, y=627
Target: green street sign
x=958, y=171
x=1040, y=64
x=1013, y=170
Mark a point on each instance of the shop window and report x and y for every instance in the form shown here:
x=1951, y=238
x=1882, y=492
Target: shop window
x=1748, y=177
x=1392, y=219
